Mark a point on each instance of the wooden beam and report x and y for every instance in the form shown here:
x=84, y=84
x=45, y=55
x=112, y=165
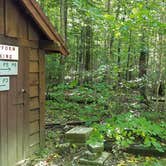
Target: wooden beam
x=38, y=19
x=2, y=17
x=49, y=46
x=18, y=42
x=34, y=10
x=42, y=97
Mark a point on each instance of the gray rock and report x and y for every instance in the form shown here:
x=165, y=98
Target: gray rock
x=91, y=156
x=96, y=148
x=63, y=148
x=162, y=162
x=98, y=162
x=78, y=134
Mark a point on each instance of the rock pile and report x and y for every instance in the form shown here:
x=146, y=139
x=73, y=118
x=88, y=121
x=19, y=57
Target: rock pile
x=94, y=155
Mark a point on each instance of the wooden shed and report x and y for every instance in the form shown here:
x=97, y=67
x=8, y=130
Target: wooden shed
x=26, y=36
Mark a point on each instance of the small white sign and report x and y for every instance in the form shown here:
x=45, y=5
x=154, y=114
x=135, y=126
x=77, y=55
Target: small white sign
x=4, y=83
x=8, y=68
x=9, y=52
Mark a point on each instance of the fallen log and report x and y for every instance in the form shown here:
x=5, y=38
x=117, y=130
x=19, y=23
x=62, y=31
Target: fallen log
x=59, y=125
x=136, y=149
x=70, y=123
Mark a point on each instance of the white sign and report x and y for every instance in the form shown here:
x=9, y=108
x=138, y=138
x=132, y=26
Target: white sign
x=8, y=68
x=9, y=52
x=4, y=83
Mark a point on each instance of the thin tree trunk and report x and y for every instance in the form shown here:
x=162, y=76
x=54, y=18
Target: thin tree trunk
x=160, y=85
x=81, y=55
x=63, y=18
x=88, y=53
x=119, y=60
x=88, y=49
x=113, y=34
x=63, y=25
x=128, y=73
x=143, y=66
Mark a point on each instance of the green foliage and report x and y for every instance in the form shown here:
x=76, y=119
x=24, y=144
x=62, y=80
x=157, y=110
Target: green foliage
x=98, y=103
x=90, y=103
x=110, y=89
x=127, y=129
x=122, y=22
x=42, y=153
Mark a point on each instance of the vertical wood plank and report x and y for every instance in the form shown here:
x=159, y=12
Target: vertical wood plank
x=3, y=128
x=1, y=16
x=9, y=119
x=26, y=52
x=22, y=26
x=20, y=107
x=32, y=35
x=42, y=96
x=11, y=19
x=16, y=24
x=12, y=131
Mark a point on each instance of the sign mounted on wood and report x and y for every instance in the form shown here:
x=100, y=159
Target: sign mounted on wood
x=8, y=68
x=9, y=52
x=4, y=83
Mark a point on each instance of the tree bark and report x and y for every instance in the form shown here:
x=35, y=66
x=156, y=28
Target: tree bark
x=63, y=25
x=128, y=73
x=143, y=67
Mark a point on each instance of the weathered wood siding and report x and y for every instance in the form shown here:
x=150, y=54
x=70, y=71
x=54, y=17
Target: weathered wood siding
x=21, y=108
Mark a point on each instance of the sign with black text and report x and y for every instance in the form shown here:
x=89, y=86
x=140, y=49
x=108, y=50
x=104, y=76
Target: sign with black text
x=8, y=68
x=8, y=52
x=4, y=83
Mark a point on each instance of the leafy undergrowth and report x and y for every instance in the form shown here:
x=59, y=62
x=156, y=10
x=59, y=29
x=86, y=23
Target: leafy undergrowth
x=126, y=129
x=114, y=113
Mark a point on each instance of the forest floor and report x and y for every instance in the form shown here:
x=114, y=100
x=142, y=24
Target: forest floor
x=73, y=106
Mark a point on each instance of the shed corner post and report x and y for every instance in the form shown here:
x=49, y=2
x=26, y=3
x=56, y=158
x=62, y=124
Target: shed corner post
x=42, y=95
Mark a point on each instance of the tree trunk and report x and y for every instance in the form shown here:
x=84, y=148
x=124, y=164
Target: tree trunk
x=113, y=34
x=128, y=73
x=63, y=25
x=81, y=53
x=63, y=18
x=143, y=67
x=119, y=60
x=88, y=53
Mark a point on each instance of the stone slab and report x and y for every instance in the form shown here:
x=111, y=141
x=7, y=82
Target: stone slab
x=162, y=162
x=96, y=148
x=76, y=140
x=91, y=156
x=78, y=134
x=79, y=145
x=98, y=162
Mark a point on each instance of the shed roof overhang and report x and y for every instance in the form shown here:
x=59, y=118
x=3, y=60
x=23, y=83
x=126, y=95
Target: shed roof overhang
x=55, y=42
